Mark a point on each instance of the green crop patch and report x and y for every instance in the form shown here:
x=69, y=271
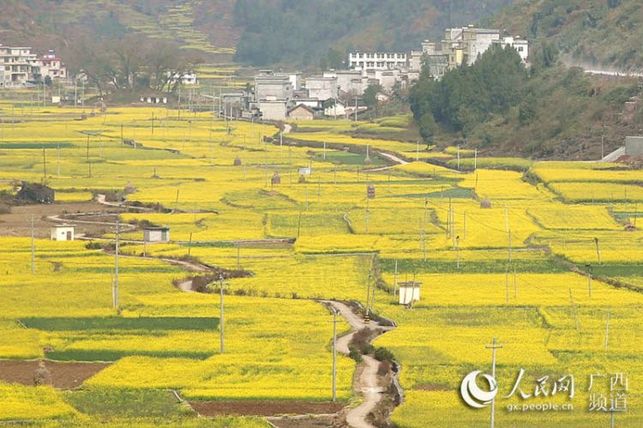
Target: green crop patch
x=118, y=323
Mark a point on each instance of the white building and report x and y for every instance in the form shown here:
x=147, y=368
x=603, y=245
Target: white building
x=336, y=110
x=63, y=232
x=377, y=60
x=156, y=234
x=19, y=65
x=519, y=44
x=187, y=78
x=322, y=88
x=52, y=66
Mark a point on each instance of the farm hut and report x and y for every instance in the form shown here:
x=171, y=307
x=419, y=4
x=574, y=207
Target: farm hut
x=156, y=234
x=237, y=161
x=485, y=203
x=370, y=191
x=409, y=292
x=63, y=232
x=276, y=179
x=34, y=192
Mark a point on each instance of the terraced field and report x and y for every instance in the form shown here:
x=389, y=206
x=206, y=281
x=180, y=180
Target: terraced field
x=553, y=275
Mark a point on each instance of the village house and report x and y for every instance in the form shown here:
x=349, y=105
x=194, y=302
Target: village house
x=322, y=88
x=273, y=85
x=19, y=64
x=301, y=112
x=52, y=66
x=337, y=109
x=273, y=109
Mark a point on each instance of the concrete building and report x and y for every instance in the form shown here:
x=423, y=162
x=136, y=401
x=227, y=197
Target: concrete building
x=273, y=109
x=322, y=88
x=336, y=110
x=20, y=65
x=634, y=146
x=63, y=232
x=273, y=85
x=188, y=78
x=301, y=112
x=52, y=66
x=377, y=60
x=519, y=44
x=156, y=234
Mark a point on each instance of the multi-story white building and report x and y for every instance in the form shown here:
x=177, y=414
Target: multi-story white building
x=377, y=60
x=52, y=66
x=19, y=65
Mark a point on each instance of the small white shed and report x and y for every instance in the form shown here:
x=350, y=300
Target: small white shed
x=409, y=292
x=63, y=232
x=156, y=234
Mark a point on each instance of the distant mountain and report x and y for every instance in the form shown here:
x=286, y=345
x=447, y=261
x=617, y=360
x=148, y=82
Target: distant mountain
x=591, y=33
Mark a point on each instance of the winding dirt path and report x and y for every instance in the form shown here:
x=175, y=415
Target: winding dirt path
x=368, y=381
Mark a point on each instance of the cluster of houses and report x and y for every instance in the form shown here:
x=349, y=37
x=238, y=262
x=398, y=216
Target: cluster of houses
x=337, y=93
x=20, y=67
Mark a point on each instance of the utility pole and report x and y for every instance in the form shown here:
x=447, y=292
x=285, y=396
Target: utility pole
x=475, y=159
x=395, y=280
x=334, y=387
x=116, y=251
x=89, y=165
x=607, y=330
x=221, y=313
x=589, y=280
x=33, y=247
x=598, y=251
x=494, y=346
x=44, y=165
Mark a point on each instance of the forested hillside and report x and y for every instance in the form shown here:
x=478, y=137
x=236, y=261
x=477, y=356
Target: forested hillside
x=302, y=31
x=547, y=111
x=606, y=33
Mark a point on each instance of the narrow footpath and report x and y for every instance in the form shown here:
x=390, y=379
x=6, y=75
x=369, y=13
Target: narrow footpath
x=368, y=382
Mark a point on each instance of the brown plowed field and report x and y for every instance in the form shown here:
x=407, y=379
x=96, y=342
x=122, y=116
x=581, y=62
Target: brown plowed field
x=63, y=375
x=263, y=408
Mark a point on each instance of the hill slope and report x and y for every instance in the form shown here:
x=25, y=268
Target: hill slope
x=597, y=33
x=58, y=24
x=304, y=30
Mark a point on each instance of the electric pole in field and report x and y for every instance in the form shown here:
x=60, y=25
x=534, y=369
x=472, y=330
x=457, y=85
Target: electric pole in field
x=494, y=346
x=334, y=385
x=33, y=247
x=221, y=314
x=44, y=165
x=116, y=254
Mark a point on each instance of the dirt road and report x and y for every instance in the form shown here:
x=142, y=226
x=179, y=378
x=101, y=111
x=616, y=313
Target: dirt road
x=368, y=382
